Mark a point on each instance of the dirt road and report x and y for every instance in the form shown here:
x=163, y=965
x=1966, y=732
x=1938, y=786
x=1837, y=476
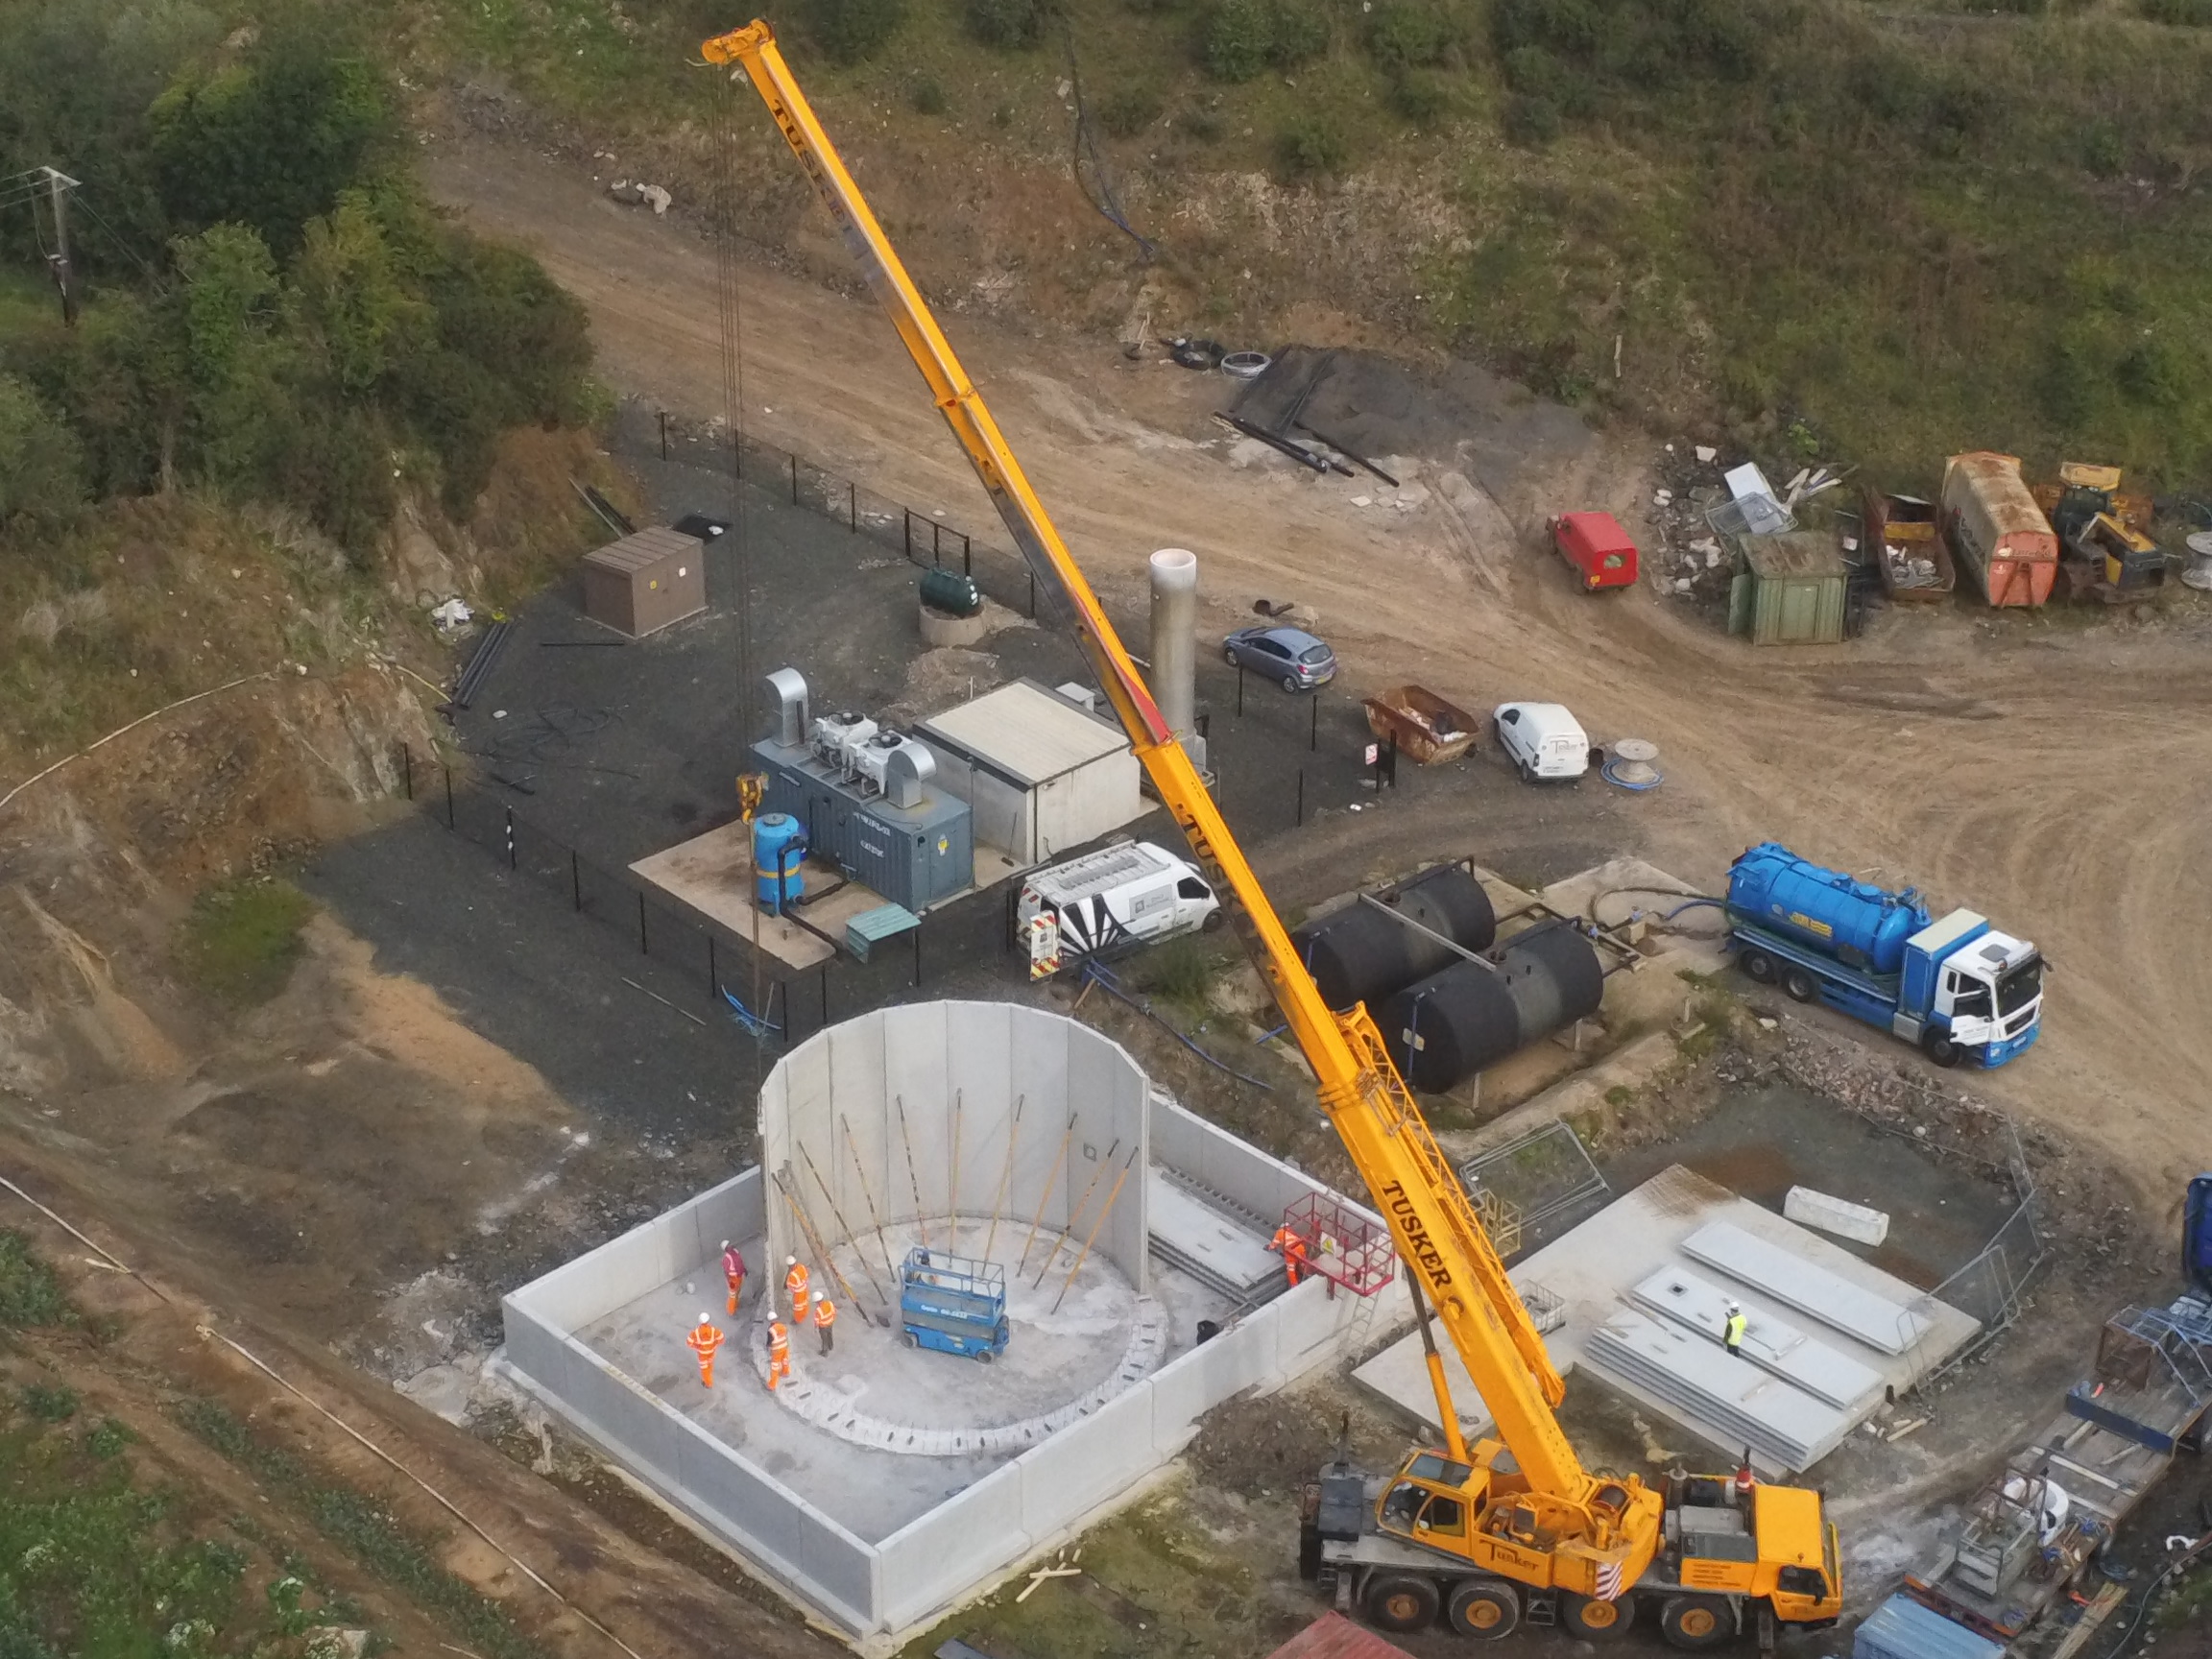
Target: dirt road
x=2053, y=772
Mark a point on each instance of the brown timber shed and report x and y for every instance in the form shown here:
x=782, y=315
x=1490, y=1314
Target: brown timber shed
x=646, y=580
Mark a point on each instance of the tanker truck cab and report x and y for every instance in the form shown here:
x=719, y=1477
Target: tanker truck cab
x=1983, y=991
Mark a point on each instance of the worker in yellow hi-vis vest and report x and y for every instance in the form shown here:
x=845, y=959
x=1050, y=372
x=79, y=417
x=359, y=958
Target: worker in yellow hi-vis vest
x=1732, y=1333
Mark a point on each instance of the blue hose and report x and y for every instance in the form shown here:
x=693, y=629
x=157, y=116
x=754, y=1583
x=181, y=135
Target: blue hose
x=1692, y=904
x=1100, y=975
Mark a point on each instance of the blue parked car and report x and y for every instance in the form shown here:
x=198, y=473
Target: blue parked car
x=1291, y=656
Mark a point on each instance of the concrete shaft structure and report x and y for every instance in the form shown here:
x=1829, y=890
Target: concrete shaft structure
x=1175, y=644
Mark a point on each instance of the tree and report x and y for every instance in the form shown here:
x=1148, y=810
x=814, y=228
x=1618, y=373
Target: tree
x=41, y=464
x=234, y=363
x=350, y=308
x=272, y=142
x=851, y=30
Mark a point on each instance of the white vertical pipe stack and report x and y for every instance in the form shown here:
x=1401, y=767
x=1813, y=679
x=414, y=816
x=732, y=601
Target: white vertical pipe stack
x=1175, y=643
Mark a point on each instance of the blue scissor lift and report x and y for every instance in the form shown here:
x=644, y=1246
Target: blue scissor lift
x=953, y=1303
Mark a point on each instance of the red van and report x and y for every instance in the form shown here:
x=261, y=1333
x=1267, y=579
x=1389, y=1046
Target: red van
x=1597, y=547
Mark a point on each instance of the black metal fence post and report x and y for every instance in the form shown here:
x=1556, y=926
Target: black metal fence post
x=641, y=949
x=917, y=955
x=907, y=530
x=407, y=769
x=714, y=979
x=1033, y=595
x=967, y=554
x=936, y=542
x=794, y=480
x=1313, y=727
x=575, y=880
x=853, y=506
x=448, y=797
x=1240, y=690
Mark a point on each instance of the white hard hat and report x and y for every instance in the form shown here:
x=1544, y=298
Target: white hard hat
x=790, y=1261
x=725, y=1243
x=704, y=1320
x=1733, y=1307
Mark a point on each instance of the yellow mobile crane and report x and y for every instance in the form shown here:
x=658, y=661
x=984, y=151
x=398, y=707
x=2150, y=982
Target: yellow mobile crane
x=1510, y=1528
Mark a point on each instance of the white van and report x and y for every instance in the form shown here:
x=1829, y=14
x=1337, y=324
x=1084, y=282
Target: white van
x=1542, y=740
x=1130, y=893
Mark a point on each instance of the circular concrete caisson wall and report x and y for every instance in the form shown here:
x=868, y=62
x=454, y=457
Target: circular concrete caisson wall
x=1000, y=1134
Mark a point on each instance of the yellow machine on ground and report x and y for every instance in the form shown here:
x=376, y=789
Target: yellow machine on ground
x=1486, y=1535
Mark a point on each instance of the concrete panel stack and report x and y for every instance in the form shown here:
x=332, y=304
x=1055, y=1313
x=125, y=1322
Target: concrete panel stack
x=1796, y=1282
x=1773, y=1345
x=1784, y=1427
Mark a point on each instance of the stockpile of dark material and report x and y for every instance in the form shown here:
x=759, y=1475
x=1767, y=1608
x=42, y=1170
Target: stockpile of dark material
x=1442, y=1030
x=1360, y=954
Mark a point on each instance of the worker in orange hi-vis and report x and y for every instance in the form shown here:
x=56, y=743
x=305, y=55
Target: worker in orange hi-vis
x=733, y=1272
x=795, y=1282
x=825, y=1317
x=703, y=1342
x=779, y=1353
x=1292, y=1249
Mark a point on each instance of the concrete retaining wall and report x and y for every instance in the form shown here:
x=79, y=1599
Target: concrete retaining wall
x=881, y=1592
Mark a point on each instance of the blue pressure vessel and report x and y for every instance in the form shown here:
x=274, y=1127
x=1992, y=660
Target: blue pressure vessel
x=778, y=851
x=1861, y=926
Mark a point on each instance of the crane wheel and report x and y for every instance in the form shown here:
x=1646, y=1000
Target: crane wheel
x=1798, y=986
x=1485, y=1609
x=1939, y=1048
x=1696, y=1623
x=1400, y=1601
x=1758, y=966
x=1597, y=1621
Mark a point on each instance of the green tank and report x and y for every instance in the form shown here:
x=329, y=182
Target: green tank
x=949, y=592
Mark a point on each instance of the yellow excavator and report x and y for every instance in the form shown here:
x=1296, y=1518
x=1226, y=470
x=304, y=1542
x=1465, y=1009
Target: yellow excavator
x=1487, y=1536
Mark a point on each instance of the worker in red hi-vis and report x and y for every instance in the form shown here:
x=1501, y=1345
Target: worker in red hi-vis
x=703, y=1342
x=795, y=1282
x=1292, y=1249
x=779, y=1353
x=733, y=1272
x=825, y=1317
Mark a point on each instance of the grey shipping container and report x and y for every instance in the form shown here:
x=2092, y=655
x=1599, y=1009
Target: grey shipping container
x=1902, y=1628
x=912, y=855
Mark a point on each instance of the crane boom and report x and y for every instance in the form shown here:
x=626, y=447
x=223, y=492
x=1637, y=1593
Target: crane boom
x=1435, y=1227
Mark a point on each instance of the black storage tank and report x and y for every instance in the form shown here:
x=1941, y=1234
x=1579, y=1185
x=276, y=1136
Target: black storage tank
x=1445, y=1028
x=1358, y=955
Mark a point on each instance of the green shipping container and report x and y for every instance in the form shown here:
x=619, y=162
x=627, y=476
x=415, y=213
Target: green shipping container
x=1788, y=590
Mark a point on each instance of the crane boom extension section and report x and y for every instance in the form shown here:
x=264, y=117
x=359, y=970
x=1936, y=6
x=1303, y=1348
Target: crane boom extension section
x=1571, y=1531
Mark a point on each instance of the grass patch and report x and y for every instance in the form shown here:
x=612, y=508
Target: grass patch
x=30, y=1295
x=1181, y=971
x=92, y=1564
x=360, y=1526
x=240, y=939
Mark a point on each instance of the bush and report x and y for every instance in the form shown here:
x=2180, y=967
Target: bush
x=1411, y=33
x=1010, y=24
x=928, y=96
x=1127, y=110
x=29, y=1292
x=1301, y=32
x=1420, y=97
x=849, y=31
x=1240, y=39
x=1311, y=144
x=41, y=463
x=1531, y=122
x=1204, y=125
x=2182, y=13
x=240, y=939
x=2154, y=372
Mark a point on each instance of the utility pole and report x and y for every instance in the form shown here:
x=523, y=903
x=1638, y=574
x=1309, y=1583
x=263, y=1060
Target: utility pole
x=55, y=185
x=59, y=186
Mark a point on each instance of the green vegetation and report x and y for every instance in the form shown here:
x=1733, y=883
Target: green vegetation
x=94, y=1564
x=366, y=1531
x=851, y=30
x=271, y=311
x=241, y=938
x=30, y=1295
x=1181, y=971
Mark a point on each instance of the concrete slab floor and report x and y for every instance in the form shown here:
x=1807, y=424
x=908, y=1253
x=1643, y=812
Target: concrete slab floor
x=1051, y=1359
x=1594, y=1267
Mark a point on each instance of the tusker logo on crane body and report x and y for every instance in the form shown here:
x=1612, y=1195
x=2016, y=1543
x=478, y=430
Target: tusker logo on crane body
x=1418, y=1244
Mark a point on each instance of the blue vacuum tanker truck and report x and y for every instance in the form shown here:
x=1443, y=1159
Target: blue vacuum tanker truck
x=1957, y=987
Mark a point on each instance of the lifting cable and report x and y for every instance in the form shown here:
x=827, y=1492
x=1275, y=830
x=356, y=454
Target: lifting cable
x=729, y=298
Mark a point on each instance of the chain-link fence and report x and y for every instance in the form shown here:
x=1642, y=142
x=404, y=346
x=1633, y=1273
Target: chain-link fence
x=1992, y=1285
x=1545, y=1178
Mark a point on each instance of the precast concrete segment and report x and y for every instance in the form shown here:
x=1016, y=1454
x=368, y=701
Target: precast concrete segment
x=1838, y=1215
x=1772, y=1344
x=1206, y=1241
x=1796, y=1282
x=1697, y=1376
x=1174, y=574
